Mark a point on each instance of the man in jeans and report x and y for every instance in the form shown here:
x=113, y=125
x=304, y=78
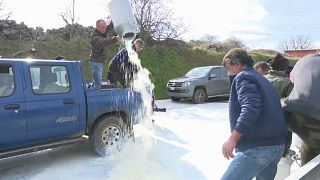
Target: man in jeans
x=99, y=49
x=258, y=127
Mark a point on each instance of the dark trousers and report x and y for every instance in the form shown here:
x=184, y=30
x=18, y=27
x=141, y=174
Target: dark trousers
x=116, y=74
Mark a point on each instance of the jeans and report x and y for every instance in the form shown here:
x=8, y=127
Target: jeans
x=260, y=162
x=96, y=69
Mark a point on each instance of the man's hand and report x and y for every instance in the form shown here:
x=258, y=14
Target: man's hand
x=118, y=38
x=228, y=147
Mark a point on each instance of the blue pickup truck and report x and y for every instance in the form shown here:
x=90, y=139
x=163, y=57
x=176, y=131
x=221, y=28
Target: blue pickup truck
x=47, y=103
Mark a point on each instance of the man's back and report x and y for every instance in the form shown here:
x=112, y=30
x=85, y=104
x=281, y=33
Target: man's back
x=256, y=105
x=305, y=97
x=283, y=84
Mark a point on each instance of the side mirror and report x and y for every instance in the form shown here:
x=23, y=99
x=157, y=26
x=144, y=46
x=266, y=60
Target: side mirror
x=212, y=76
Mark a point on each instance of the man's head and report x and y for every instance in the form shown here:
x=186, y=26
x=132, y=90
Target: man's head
x=236, y=60
x=138, y=45
x=279, y=63
x=262, y=67
x=101, y=25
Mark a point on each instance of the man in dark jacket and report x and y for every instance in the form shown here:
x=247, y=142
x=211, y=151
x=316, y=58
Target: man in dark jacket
x=257, y=123
x=121, y=68
x=302, y=106
x=99, y=49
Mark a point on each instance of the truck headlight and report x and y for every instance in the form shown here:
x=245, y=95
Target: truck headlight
x=186, y=84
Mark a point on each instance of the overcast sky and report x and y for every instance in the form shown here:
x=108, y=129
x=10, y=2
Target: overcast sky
x=259, y=23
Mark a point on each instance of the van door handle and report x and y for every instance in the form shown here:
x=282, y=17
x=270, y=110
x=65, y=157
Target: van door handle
x=69, y=101
x=12, y=106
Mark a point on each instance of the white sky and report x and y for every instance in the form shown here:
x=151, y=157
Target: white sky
x=259, y=23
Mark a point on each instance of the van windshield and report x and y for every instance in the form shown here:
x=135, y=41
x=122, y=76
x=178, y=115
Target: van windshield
x=198, y=72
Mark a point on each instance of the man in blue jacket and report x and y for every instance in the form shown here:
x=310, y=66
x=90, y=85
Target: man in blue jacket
x=258, y=127
x=121, y=69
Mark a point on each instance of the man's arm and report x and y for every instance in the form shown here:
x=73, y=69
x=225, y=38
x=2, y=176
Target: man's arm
x=250, y=100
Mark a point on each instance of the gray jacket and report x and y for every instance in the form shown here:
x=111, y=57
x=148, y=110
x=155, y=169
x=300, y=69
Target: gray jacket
x=99, y=46
x=305, y=98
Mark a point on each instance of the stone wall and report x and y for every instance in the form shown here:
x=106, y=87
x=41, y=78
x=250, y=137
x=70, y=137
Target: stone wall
x=10, y=30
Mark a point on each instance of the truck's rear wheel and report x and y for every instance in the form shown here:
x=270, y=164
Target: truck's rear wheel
x=175, y=99
x=107, y=135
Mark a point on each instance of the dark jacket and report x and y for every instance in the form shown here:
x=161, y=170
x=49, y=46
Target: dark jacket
x=255, y=111
x=305, y=96
x=99, y=46
x=283, y=84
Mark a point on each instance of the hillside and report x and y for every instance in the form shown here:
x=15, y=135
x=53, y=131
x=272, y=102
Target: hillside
x=164, y=62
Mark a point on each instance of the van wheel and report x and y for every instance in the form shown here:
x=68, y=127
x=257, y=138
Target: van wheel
x=199, y=96
x=107, y=135
x=175, y=99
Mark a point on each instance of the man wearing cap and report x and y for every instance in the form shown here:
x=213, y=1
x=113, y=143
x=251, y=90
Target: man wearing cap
x=277, y=76
x=121, y=68
x=99, y=49
x=258, y=127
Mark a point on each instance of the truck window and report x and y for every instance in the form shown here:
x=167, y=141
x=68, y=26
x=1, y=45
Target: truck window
x=224, y=72
x=216, y=71
x=49, y=79
x=7, y=86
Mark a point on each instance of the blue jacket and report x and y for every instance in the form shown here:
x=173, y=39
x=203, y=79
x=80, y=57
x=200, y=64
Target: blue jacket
x=121, y=58
x=255, y=111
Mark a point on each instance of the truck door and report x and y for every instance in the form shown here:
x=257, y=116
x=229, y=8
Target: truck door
x=52, y=101
x=12, y=106
x=226, y=81
x=215, y=82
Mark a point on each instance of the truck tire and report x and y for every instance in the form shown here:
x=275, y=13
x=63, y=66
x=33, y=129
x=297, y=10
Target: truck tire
x=175, y=99
x=106, y=136
x=199, y=96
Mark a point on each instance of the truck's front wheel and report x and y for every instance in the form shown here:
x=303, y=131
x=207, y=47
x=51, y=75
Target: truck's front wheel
x=106, y=135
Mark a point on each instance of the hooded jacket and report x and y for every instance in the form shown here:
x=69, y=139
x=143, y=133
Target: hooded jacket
x=305, y=97
x=99, y=46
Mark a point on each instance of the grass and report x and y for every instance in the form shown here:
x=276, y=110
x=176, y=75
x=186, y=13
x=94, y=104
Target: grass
x=164, y=63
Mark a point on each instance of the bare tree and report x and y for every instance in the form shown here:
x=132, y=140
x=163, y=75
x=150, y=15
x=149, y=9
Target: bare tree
x=156, y=20
x=37, y=37
x=6, y=15
x=211, y=39
x=68, y=16
x=297, y=42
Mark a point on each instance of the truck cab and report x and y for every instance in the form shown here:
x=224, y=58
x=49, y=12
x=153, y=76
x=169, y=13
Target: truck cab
x=46, y=103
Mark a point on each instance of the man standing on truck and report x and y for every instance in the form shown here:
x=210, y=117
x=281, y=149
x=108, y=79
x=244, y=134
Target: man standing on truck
x=258, y=127
x=120, y=67
x=99, y=49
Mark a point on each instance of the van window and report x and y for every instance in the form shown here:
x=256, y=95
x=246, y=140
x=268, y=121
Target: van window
x=7, y=86
x=49, y=79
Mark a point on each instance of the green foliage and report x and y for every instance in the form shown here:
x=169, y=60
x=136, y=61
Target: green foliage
x=163, y=62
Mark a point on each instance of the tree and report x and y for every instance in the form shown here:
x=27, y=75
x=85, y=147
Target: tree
x=68, y=16
x=156, y=20
x=36, y=38
x=232, y=42
x=4, y=15
x=211, y=39
x=297, y=42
